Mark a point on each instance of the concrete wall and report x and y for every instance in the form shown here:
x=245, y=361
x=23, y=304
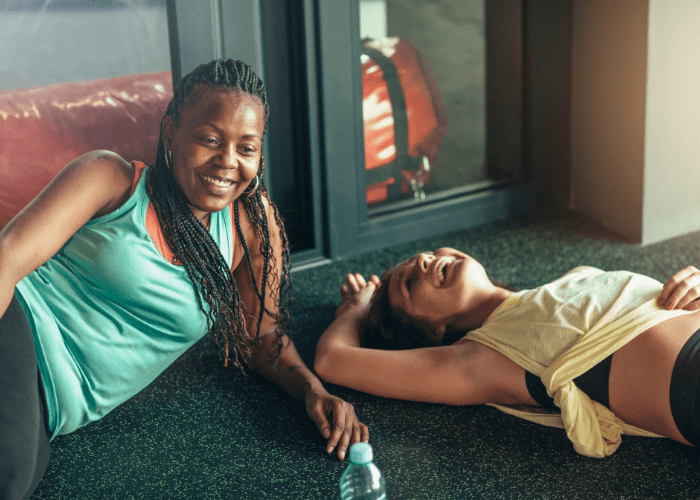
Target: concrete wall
x=672, y=136
x=635, y=116
x=609, y=56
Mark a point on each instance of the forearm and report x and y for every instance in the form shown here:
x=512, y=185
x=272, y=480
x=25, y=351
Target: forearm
x=343, y=333
x=335, y=419
x=288, y=371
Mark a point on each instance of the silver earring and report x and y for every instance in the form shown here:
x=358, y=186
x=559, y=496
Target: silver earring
x=253, y=186
x=168, y=159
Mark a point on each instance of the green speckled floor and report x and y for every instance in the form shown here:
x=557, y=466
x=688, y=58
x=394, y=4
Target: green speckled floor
x=199, y=432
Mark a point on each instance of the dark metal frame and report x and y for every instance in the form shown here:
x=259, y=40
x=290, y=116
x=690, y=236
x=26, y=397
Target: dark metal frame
x=277, y=38
x=351, y=230
x=316, y=145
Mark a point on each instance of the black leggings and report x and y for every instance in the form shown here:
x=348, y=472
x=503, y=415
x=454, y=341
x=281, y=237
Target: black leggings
x=24, y=432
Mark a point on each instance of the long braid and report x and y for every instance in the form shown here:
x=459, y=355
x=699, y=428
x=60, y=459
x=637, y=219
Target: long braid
x=194, y=247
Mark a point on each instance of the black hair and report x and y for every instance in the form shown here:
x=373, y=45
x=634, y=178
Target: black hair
x=191, y=242
x=384, y=327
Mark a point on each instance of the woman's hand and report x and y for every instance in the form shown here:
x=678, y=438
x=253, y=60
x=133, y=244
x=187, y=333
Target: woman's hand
x=345, y=428
x=681, y=291
x=357, y=293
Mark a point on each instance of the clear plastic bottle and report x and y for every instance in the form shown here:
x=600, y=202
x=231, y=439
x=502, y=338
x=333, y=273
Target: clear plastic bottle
x=362, y=480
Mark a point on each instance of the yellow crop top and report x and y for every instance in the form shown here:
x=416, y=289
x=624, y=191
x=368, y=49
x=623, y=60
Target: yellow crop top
x=560, y=330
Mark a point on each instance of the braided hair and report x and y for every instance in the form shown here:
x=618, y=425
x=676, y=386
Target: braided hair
x=194, y=247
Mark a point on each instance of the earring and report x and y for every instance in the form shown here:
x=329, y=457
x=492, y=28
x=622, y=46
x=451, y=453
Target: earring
x=168, y=159
x=253, y=186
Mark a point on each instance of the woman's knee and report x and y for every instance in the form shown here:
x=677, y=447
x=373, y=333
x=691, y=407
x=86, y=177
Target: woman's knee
x=21, y=469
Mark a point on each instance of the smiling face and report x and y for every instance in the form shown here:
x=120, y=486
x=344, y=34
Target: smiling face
x=216, y=147
x=438, y=288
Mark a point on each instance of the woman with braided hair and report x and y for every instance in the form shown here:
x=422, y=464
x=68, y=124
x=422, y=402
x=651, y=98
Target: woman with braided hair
x=115, y=269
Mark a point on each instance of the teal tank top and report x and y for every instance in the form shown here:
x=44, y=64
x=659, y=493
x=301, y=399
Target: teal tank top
x=109, y=313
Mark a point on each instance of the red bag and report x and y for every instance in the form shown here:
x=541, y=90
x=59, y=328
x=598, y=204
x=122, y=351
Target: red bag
x=404, y=122
x=44, y=128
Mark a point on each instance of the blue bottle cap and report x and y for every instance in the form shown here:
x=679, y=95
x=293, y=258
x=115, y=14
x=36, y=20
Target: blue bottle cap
x=361, y=453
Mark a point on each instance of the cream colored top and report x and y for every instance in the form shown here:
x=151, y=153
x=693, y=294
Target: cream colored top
x=561, y=330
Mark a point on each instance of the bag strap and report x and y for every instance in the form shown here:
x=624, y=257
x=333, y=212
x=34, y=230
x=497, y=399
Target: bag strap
x=398, y=111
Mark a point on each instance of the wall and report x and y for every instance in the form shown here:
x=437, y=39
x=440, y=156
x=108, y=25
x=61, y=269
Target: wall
x=672, y=138
x=548, y=81
x=635, y=116
x=607, y=112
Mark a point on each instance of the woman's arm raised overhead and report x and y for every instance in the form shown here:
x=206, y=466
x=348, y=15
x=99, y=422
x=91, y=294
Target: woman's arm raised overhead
x=91, y=185
x=446, y=374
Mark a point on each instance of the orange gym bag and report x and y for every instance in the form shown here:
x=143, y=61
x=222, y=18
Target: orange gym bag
x=403, y=119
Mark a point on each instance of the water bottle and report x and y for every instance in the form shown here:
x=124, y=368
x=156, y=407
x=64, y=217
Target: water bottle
x=362, y=480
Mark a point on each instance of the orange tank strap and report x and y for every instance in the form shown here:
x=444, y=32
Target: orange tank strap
x=153, y=226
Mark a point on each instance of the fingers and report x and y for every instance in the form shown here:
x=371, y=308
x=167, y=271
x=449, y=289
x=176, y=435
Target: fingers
x=681, y=290
x=693, y=306
x=342, y=428
x=671, y=285
x=322, y=423
x=347, y=429
x=344, y=293
x=361, y=433
x=352, y=282
x=356, y=282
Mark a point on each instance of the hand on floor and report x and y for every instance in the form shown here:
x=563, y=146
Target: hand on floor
x=344, y=429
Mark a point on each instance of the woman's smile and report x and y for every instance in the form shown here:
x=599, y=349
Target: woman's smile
x=441, y=268
x=217, y=185
x=441, y=287
x=216, y=148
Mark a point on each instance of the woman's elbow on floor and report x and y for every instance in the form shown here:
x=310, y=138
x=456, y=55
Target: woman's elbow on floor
x=328, y=366
x=322, y=365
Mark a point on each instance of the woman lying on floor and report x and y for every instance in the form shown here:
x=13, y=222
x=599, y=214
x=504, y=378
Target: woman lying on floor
x=117, y=268
x=613, y=351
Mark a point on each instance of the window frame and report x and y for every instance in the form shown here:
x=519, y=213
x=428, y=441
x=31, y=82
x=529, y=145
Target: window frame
x=333, y=141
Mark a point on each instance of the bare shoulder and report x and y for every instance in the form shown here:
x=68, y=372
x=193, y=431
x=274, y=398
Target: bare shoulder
x=106, y=173
x=91, y=185
x=105, y=164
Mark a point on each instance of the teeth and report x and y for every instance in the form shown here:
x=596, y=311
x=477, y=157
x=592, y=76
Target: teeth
x=443, y=270
x=216, y=182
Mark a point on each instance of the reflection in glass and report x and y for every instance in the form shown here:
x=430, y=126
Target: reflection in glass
x=77, y=76
x=52, y=41
x=424, y=100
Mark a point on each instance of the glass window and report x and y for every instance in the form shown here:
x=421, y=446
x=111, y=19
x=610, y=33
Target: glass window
x=424, y=101
x=77, y=76
x=52, y=41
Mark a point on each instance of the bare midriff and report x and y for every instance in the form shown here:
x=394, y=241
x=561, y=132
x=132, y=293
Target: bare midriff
x=640, y=375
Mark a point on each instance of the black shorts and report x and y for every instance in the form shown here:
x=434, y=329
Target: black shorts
x=685, y=390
